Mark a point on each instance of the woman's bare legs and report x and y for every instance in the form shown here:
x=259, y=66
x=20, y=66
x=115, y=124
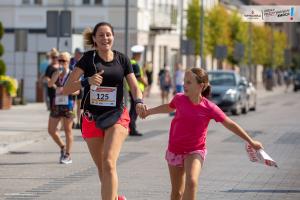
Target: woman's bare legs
x=52, y=130
x=95, y=146
x=68, y=122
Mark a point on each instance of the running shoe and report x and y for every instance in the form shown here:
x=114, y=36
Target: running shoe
x=66, y=159
x=121, y=198
x=62, y=154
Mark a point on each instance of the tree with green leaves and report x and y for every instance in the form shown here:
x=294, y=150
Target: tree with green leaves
x=2, y=63
x=260, y=45
x=238, y=35
x=280, y=44
x=193, y=24
x=218, y=28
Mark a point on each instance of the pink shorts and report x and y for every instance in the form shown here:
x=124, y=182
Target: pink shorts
x=177, y=160
x=89, y=129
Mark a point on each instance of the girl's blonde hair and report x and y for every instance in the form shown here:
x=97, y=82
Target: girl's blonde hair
x=202, y=77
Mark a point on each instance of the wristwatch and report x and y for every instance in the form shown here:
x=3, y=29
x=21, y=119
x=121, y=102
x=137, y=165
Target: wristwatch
x=137, y=101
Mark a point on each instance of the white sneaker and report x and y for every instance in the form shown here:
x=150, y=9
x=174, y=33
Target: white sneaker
x=66, y=159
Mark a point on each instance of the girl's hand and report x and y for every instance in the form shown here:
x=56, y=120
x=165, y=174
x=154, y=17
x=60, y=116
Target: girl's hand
x=256, y=145
x=141, y=110
x=96, y=79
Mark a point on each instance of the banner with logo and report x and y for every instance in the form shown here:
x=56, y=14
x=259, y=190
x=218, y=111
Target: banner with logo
x=268, y=13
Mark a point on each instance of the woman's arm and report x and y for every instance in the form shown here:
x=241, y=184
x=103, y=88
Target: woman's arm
x=235, y=128
x=133, y=85
x=54, y=77
x=73, y=83
x=137, y=94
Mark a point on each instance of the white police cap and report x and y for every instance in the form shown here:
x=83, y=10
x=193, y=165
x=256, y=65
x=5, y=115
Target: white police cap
x=137, y=49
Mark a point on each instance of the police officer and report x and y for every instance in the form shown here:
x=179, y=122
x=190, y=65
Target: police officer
x=137, y=51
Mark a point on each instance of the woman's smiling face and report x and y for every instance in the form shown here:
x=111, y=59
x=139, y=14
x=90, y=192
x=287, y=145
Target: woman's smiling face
x=104, y=38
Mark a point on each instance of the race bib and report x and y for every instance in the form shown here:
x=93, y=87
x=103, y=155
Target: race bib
x=103, y=96
x=61, y=100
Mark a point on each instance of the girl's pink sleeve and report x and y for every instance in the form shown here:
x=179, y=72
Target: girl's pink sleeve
x=217, y=114
x=172, y=104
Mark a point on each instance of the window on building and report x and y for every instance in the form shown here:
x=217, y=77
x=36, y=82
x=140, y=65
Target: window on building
x=86, y=2
x=38, y=2
x=25, y=1
x=55, y=2
x=98, y=2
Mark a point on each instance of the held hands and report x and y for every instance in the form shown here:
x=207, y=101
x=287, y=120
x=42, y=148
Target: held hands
x=96, y=79
x=141, y=110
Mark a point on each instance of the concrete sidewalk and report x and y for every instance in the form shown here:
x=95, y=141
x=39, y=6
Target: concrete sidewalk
x=23, y=125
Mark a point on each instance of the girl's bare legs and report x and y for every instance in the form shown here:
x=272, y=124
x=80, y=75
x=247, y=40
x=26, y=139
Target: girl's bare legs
x=177, y=176
x=192, y=166
x=113, y=141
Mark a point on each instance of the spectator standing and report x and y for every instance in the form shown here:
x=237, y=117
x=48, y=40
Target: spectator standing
x=149, y=74
x=165, y=83
x=77, y=55
x=137, y=51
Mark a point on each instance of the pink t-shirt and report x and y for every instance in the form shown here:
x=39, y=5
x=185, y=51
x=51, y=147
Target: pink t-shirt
x=189, y=126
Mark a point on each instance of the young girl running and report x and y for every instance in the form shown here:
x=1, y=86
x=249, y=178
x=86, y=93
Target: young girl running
x=187, y=140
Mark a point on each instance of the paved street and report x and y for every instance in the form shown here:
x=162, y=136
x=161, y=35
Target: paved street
x=30, y=169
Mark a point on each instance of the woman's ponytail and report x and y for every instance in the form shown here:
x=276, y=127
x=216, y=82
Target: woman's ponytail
x=88, y=37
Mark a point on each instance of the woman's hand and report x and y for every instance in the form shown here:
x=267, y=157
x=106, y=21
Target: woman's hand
x=55, y=75
x=256, y=145
x=96, y=79
x=141, y=110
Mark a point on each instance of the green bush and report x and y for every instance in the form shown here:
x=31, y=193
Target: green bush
x=1, y=50
x=2, y=67
x=1, y=30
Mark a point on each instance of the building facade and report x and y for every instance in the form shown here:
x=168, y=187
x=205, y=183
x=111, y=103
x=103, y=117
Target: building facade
x=152, y=23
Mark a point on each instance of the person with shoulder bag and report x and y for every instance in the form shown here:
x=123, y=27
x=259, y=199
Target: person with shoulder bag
x=105, y=119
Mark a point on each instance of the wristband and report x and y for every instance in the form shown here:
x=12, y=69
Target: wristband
x=138, y=101
x=85, y=82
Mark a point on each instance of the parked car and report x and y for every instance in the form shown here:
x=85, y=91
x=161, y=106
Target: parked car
x=251, y=93
x=296, y=81
x=229, y=92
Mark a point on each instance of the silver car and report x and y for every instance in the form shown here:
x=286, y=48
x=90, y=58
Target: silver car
x=229, y=92
x=251, y=93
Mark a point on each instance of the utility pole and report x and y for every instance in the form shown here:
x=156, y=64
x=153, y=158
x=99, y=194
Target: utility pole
x=126, y=27
x=126, y=47
x=201, y=35
x=181, y=29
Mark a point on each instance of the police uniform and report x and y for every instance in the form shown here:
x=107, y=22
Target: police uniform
x=138, y=72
